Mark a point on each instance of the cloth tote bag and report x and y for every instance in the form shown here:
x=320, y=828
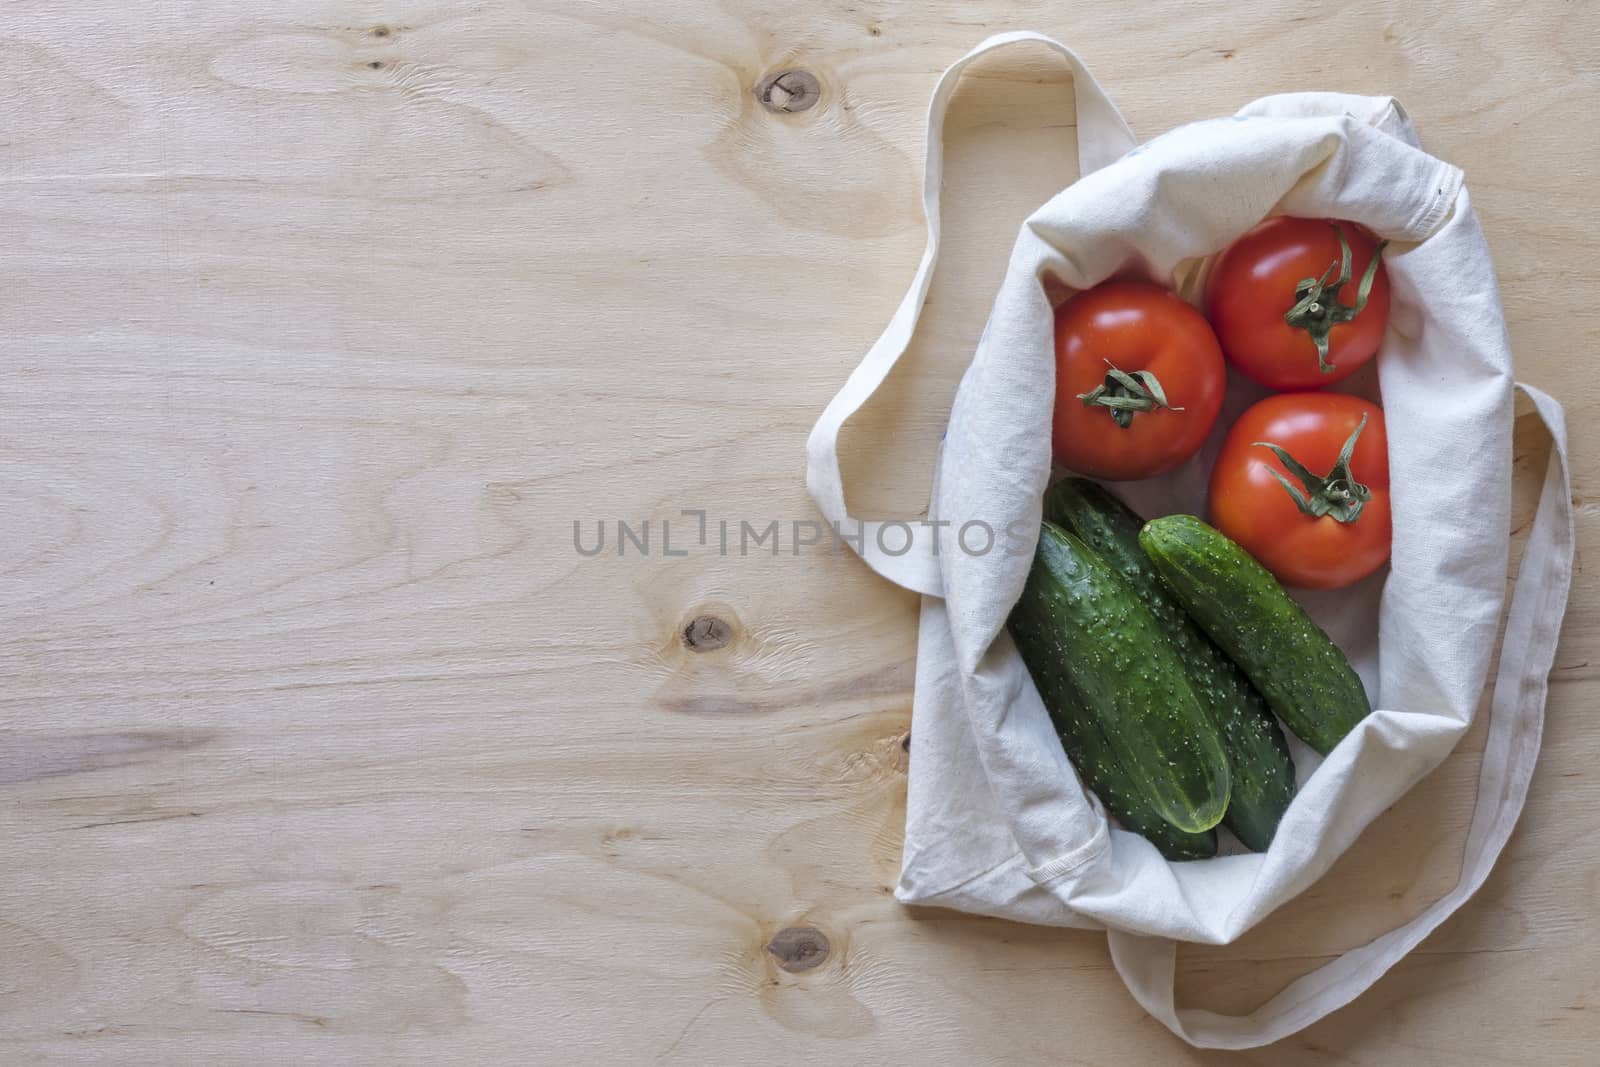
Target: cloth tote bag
x=997, y=822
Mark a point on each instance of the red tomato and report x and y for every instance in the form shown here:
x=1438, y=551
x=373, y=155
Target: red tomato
x=1139, y=381
x=1251, y=503
x=1288, y=269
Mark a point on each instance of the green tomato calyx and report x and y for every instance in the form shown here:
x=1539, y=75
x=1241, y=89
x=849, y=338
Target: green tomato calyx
x=1317, y=309
x=1124, y=394
x=1336, y=495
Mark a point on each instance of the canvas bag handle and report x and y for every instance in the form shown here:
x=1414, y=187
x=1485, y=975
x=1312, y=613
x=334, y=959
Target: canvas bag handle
x=1527, y=653
x=898, y=555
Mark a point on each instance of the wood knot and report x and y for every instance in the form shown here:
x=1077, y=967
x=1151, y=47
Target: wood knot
x=799, y=948
x=706, y=633
x=788, y=91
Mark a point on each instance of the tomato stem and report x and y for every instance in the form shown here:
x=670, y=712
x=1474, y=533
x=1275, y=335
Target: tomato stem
x=1124, y=394
x=1317, y=309
x=1337, y=495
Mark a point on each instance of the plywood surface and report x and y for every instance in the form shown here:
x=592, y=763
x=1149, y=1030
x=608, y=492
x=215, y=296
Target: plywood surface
x=320, y=325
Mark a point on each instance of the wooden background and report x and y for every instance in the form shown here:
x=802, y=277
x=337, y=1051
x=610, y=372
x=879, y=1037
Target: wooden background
x=322, y=322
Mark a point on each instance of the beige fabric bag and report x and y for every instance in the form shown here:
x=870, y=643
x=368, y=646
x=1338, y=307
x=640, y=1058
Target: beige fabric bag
x=997, y=822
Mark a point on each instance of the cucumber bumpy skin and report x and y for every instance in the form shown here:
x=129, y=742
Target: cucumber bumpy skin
x=1305, y=677
x=1258, y=756
x=1087, y=746
x=1130, y=679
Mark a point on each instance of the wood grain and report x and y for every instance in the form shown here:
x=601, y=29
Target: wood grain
x=321, y=324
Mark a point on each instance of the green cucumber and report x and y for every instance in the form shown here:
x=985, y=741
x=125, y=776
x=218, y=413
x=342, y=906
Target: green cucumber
x=1258, y=756
x=1076, y=611
x=1088, y=748
x=1305, y=677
